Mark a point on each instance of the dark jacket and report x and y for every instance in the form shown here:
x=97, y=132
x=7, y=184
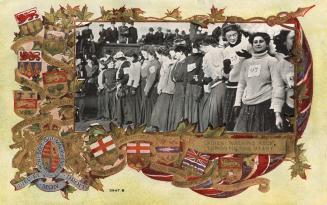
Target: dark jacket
x=112, y=35
x=132, y=36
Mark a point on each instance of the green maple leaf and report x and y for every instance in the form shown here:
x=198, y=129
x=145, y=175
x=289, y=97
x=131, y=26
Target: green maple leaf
x=84, y=15
x=214, y=132
x=67, y=23
x=72, y=11
x=52, y=16
x=185, y=127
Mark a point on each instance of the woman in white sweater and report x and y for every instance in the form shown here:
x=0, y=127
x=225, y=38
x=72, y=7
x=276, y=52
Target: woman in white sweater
x=260, y=91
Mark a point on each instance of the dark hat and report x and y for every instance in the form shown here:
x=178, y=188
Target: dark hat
x=230, y=27
x=151, y=29
x=208, y=40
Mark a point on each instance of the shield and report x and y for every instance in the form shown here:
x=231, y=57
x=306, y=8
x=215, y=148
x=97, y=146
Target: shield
x=230, y=169
x=138, y=155
x=55, y=41
x=25, y=103
x=167, y=150
x=29, y=22
x=30, y=63
x=50, y=157
x=55, y=83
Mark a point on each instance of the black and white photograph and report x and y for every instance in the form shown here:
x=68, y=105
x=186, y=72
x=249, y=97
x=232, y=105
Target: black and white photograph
x=239, y=76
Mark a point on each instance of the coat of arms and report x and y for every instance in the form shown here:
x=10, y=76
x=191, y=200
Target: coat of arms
x=25, y=103
x=55, y=83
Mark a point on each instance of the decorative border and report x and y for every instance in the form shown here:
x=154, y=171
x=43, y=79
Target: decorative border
x=55, y=115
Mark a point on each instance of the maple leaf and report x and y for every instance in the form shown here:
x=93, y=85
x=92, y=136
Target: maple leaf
x=67, y=23
x=119, y=11
x=72, y=11
x=302, y=11
x=137, y=11
x=185, y=127
x=201, y=21
x=51, y=17
x=84, y=15
x=96, y=183
x=176, y=14
x=105, y=14
x=302, y=90
x=214, y=132
x=299, y=166
x=216, y=14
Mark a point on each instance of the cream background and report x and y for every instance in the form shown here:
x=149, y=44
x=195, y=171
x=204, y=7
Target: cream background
x=140, y=189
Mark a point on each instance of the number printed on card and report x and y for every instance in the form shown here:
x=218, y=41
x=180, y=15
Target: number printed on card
x=254, y=71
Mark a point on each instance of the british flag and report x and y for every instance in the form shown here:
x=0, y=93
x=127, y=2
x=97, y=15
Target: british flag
x=196, y=160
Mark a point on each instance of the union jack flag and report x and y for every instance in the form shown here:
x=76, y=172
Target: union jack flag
x=196, y=160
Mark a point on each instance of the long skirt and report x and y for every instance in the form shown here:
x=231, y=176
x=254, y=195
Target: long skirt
x=103, y=109
x=192, y=102
x=256, y=118
x=148, y=103
x=160, y=114
x=176, y=111
x=142, y=86
x=111, y=103
x=216, y=107
x=229, y=118
x=133, y=107
x=204, y=113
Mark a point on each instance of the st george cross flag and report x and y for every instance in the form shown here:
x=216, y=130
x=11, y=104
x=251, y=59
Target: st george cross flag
x=138, y=148
x=196, y=160
x=101, y=146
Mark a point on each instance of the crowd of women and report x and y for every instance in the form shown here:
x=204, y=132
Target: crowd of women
x=242, y=81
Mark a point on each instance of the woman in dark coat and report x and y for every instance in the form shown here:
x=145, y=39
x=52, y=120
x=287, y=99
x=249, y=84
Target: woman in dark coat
x=193, y=88
x=178, y=75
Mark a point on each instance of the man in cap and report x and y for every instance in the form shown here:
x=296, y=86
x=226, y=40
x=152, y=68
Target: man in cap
x=159, y=37
x=123, y=33
x=149, y=37
x=112, y=33
x=132, y=34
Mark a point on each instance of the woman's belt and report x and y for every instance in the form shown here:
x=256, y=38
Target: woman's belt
x=231, y=84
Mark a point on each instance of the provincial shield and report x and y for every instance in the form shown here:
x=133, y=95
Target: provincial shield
x=30, y=64
x=230, y=169
x=25, y=103
x=55, y=83
x=138, y=155
x=29, y=22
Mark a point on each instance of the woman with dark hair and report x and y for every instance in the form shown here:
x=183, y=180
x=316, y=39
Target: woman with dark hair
x=165, y=89
x=193, y=92
x=133, y=96
x=284, y=42
x=150, y=73
x=260, y=91
x=144, y=67
x=233, y=58
x=178, y=76
x=212, y=67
